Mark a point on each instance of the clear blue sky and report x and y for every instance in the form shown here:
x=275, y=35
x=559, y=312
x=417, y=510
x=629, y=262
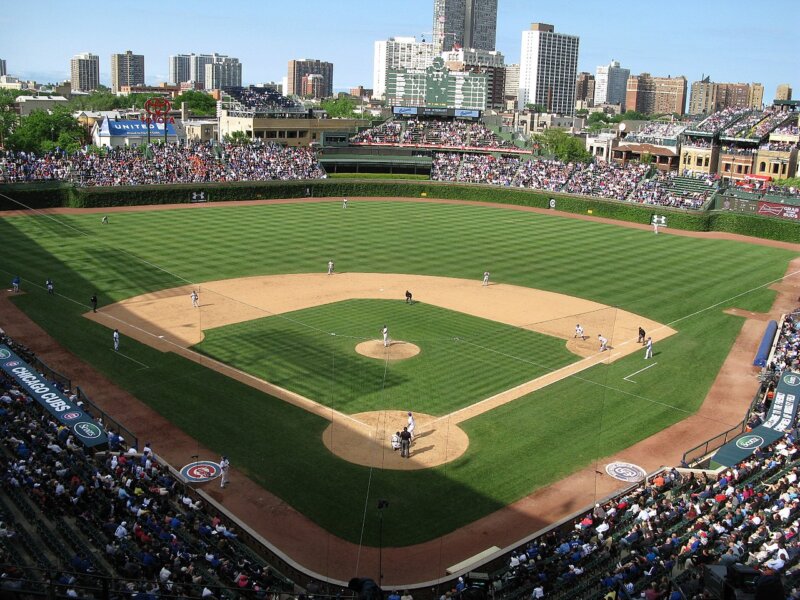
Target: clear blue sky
x=731, y=40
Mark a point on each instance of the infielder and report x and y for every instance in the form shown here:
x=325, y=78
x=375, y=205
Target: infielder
x=603, y=342
x=225, y=467
x=485, y=278
x=195, y=299
x=641, y=336
x=385, y=333
x=51, y=288
x=411, y=424
x=648, y=349
x=115, y=336
x=330, y=267
x=579, y=332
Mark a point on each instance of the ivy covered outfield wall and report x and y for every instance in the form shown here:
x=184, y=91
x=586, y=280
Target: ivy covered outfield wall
x=45, y=196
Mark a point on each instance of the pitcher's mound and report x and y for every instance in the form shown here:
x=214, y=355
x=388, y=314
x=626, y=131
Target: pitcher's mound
x=396, y=350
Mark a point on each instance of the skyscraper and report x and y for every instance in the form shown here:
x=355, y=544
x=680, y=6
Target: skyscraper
x=464, y=23
x=179, y=69
x=126, y=69
x=783, y=92
x=3, y=67
x=548, y=69
x=398, y=53
x=610, y=84
x=223, y=72
x=309, y=66
x=85, y=72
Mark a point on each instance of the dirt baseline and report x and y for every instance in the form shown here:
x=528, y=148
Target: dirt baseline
x=168, y=321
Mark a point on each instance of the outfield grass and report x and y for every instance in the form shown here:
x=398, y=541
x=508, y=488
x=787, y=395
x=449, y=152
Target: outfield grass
x=513, y=449
x=463, y=359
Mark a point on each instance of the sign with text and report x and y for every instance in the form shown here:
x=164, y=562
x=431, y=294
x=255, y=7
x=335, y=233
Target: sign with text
x=69, y=414
x=783, y=211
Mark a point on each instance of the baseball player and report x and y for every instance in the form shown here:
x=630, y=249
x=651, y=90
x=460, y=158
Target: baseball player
x=195, y=299
x=412, y=424
x=655, y=227
x=396, y=441
x=225, y=467
x=385, y=334
x=485, y=278
x=344, y=202
x=641, y=336
x=93, y=300
x=15, y=283
x=51, y=288
x=409, y=298
x=648, y=348
x=330, y=267
x=603, y=342
x=115, y=336
x=104, y=220
x=579, y=332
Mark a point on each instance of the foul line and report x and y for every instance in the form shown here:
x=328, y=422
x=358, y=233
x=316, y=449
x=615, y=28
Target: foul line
x=637, y=372
x=144, y=366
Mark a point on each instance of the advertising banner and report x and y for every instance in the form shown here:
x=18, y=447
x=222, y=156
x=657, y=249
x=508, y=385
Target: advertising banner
x=57, y=404
x=784, y=211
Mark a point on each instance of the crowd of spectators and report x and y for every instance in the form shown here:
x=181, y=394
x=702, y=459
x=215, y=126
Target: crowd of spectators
x=132, y=514
x=787, y=346
x=719, y=120
x=778, y=146
x=697, y=142
x=193, y=162
x=790, y=129
x=544, y=174
x=261, y=99
x=737, y=150
x=606, y=180
x=741, y=127
x=655, y=132
x=661, y=190
x=432, y=132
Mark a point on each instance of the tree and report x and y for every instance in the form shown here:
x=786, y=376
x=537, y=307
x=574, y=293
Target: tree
x=342, y=107
x=42, y=132
x=199, y=103
x=536, y=108
x=562, y=145
x=237, y=137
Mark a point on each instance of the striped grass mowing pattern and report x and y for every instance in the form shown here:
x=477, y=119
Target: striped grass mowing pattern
x=463, y=358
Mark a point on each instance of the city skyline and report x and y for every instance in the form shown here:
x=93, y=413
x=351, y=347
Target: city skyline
x=715, y=38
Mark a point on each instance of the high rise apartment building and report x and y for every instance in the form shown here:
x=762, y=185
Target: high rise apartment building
x=223, y=72
x=512, y=82
x=784, y=91
x=707, y=97
x=548, y=69
x=126, y=69
x=179, y=69
x=656, y=95
x=85, y=72
x=487, y=62
x=464, y=24
x=584, y=90
x=399, y=53
x=309, y=66
x=611, y=84
x=3, y=70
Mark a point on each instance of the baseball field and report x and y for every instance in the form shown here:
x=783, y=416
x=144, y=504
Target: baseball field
x=280, y=368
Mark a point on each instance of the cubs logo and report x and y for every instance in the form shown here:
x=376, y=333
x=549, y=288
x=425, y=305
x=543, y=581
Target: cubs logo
x=201, y=471
x=749, y=442
x=70, y=416
x=626, y=471
x=12, y=363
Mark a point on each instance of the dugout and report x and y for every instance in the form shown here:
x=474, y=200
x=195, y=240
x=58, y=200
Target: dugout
x=765, y=347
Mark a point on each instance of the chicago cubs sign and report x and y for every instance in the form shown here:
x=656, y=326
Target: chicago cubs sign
x=201, y=471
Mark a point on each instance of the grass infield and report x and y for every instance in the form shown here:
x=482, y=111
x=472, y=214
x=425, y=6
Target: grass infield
x=513, y=450
x=463, y=359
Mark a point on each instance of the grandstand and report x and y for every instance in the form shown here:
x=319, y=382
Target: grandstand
x=250, y=102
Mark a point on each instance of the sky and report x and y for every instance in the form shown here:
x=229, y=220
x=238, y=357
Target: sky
x=731, y=40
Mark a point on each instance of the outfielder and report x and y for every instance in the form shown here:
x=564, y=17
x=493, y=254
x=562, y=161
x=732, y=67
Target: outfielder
x=115, y=337
x=485, y=278
x=330, y=267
